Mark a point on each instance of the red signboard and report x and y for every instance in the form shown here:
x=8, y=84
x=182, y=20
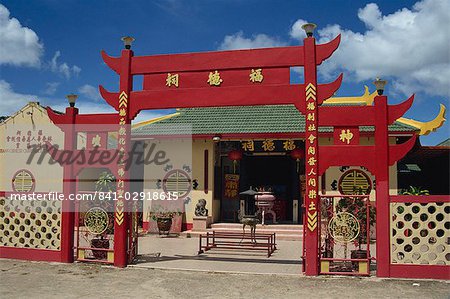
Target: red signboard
x=231, y=186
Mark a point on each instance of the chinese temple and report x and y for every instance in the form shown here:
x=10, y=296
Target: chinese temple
x=244, y=140
x=261, y=147
x=233, y=149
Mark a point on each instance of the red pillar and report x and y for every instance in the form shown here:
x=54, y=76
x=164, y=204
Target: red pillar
x=122, y=175
x=382, y=186
x=69, y=187
x=311, y=164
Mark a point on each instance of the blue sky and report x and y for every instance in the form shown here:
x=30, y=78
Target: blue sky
x=50, y=48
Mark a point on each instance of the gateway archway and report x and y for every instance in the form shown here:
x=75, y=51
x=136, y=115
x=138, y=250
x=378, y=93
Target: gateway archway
x=248, y=77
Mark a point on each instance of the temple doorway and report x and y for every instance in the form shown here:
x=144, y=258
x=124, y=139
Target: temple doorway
x=274, y=172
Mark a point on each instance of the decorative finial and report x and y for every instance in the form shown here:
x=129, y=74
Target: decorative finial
x=379, y=85
x=127, y=41
x=72, y=99
x=309, y=29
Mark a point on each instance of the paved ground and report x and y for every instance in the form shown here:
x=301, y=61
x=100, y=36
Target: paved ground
x=19, y=279
x=181, y=253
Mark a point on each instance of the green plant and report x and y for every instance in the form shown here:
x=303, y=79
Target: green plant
x=106, y=182
x=415, y=191
x=357, y=206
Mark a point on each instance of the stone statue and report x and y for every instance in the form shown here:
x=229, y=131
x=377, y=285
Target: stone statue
x=200, y=208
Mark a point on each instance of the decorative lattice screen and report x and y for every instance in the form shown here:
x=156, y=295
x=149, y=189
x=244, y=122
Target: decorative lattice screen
x=419, y=233
x=30, y=224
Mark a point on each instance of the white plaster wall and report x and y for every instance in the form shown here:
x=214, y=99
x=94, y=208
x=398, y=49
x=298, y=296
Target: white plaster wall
x=32, y=118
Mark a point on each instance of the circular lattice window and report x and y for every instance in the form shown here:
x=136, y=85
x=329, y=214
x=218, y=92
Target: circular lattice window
x=177, y=182
x=23, y=181
x=355, y=181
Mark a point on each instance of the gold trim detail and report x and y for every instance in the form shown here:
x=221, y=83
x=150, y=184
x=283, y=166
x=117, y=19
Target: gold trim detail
x=344, y=227
x=310, y=92
x=96, y=220
x=119, y=213
x=312, y=221
x=123, y=99
x=365, y=99
x=426, y=127
x=154, y=120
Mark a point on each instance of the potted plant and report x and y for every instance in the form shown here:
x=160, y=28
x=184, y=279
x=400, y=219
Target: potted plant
x=415, y=191
x=357, y=206
x=106, y=182
x=163, y=217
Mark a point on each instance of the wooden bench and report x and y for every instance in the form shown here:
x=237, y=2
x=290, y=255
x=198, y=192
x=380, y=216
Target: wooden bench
x=235, y=240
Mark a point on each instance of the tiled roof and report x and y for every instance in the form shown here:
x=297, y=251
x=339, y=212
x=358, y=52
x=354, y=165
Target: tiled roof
x=445, y=143
x=239, y=120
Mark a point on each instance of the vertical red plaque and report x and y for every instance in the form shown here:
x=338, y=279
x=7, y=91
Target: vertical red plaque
x=311, y=144
x=122, y=176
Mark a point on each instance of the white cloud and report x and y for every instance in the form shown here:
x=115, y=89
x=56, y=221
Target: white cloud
x=63, y=68
x=296, y=31
x=19, y=45
x=10, y=101
x=50, y=88
x=409, y=46
x=90, y=92
x=239, y=41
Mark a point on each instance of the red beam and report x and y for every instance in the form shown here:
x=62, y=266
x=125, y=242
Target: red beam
x=327, y=90
x=397, y=111
x=324, y=51
x=112, y=62
x=96, y=119
x=220, y=96
x=81, y=119
x=29, y=254
x=338, y=155
x=209, y=61
x=230, y=78
x=398, y=151
x=60, y=118
x=216, y=96
x=346, y=116
x=420, y=198
x=420, y=271
x=222, y=60
x=359, y=115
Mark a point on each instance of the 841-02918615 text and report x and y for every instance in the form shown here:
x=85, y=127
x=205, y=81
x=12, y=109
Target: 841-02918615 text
x=106, y=196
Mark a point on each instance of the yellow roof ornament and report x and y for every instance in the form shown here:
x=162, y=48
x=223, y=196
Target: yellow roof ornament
x=365, y=99
x=426, y=127
x=154, y=120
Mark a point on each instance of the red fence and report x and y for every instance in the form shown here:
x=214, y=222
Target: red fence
x=30, y=229
x=420, y=239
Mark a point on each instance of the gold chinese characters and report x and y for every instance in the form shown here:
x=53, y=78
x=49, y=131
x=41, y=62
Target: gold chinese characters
x=172, y=80
x=214, y=79
x=346, y=136
x=256, y=75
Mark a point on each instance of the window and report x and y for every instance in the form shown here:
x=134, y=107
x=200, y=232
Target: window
x=23, y=181
x=177, y=181
x=355, y=181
